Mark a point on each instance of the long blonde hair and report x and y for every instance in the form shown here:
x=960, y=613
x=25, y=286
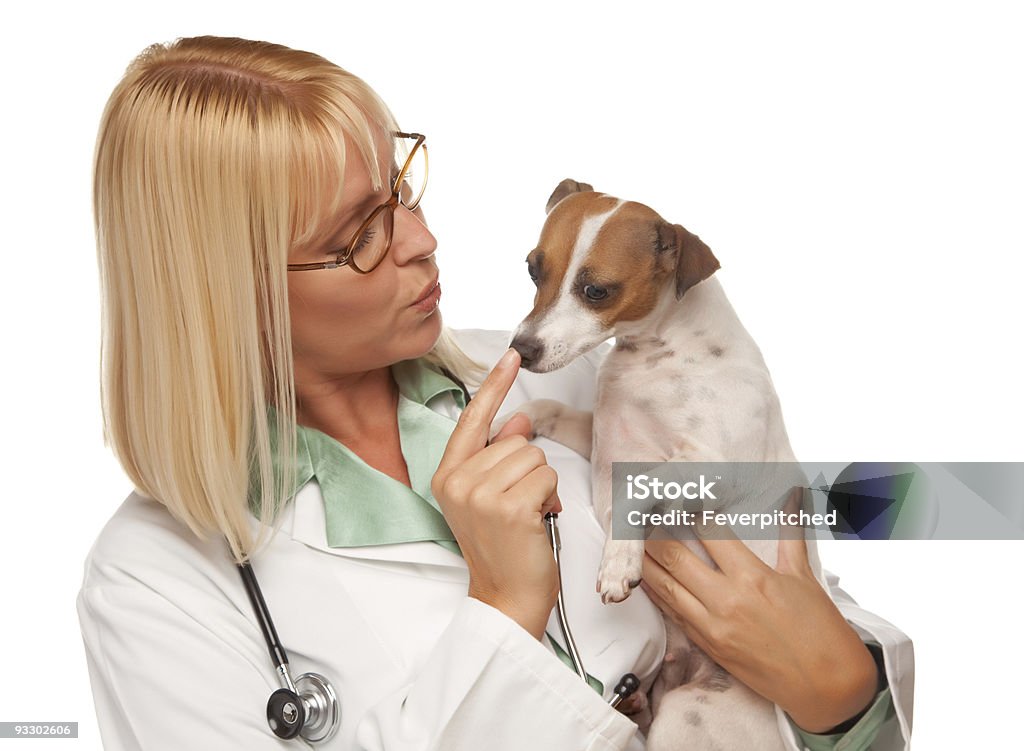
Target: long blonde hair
x=215, y=156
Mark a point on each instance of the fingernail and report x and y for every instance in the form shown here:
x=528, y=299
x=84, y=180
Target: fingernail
x=506, y=359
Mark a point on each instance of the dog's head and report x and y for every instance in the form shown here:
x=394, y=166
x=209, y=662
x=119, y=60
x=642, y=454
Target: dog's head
x=601, y=262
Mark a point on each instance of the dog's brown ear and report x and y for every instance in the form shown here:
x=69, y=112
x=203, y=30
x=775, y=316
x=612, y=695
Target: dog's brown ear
x=694, y=260
x=565, y=188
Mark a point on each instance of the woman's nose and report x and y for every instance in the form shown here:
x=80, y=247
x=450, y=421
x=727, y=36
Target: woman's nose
x=411, y=240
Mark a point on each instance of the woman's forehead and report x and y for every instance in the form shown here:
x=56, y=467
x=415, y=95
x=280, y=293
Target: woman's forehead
x=384, y=146
x=358, y=195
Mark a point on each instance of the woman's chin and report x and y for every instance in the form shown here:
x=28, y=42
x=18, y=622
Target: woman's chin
x=429, y=331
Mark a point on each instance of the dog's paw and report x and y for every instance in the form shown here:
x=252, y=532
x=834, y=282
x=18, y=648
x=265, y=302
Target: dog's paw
x=544, y=414
x=621, y=570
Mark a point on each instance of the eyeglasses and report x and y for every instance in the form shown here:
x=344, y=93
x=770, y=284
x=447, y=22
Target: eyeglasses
x=372, y=240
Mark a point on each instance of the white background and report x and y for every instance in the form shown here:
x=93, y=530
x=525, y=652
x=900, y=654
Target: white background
x=857, y=170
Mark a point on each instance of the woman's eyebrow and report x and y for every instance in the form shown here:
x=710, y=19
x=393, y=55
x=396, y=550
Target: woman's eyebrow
x=374, y=198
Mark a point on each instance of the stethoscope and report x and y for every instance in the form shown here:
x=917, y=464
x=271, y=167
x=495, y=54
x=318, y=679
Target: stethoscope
x=308, y=706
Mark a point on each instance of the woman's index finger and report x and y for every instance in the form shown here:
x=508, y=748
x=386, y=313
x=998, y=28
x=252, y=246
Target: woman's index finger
x=474, y=425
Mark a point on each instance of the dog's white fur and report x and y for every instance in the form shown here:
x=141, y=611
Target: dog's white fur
x=684, y=383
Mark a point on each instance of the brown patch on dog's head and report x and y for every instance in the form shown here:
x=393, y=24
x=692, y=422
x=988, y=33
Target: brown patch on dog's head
x=567, y=187
x=625, y=261
x=548, y=262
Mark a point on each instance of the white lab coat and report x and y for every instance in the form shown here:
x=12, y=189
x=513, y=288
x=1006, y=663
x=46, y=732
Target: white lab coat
x=177, y=660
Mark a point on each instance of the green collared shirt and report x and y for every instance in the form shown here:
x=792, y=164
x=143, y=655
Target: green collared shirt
x=363, y=506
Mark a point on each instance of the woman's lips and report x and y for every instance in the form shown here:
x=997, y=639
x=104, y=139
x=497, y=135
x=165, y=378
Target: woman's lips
x=430, y=297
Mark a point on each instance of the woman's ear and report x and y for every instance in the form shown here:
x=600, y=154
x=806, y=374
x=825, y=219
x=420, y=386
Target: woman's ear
x=694, y=260
x=565, y=188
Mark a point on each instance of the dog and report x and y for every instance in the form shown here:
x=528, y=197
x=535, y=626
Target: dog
x=684, y=382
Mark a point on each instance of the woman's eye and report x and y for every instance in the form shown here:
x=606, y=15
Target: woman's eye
x=594, y=292
x=364, y=239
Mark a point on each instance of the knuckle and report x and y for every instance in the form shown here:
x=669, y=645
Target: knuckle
x=550, y=475
x=753, y=581
x=508, y=513
x=478, y=495
x=456, y=486
x=674, y=557
x=471, y=413
x=535, y=454
x=518, y=440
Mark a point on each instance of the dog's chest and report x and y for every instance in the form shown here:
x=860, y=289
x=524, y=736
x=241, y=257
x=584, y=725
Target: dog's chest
x=651, y=412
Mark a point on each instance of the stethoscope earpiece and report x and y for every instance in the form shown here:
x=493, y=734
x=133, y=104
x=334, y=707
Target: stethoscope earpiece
x=626, y=687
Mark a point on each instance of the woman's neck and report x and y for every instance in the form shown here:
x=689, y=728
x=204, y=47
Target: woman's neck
x=351, y=407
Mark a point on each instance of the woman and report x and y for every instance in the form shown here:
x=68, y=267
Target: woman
x=270, y=318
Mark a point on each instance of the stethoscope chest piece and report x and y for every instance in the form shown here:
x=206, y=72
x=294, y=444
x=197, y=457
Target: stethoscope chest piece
x=312, y=710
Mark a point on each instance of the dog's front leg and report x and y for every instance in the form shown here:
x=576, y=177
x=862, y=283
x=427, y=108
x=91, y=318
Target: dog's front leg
x=561, y=423
x=622, y=560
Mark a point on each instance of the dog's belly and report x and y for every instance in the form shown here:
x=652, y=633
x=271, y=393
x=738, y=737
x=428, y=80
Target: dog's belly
x=694, y=703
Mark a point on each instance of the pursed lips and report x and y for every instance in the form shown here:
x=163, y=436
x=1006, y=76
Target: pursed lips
x=426, y=290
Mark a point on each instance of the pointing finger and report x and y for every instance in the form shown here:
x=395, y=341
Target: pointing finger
x=470, y=434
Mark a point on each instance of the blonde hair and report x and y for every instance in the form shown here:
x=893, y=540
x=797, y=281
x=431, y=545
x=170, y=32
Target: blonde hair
x=215, y=156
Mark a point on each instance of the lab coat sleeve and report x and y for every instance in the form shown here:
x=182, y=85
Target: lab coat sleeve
x=163, y=680
x=489, y=684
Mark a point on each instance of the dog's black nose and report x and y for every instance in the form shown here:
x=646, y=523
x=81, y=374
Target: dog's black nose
x=529, y=349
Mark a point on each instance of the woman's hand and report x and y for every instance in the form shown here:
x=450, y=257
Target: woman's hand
x=494, y=498
x=776, y=630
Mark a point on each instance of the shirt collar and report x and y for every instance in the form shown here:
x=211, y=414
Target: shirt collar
x=420, y=381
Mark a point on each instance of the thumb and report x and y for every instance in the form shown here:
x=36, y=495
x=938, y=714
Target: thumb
x=792, y=546
x=517, y=424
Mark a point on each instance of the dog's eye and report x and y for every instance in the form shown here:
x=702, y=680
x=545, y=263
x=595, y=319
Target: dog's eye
x=532, y=271
x=594, y=292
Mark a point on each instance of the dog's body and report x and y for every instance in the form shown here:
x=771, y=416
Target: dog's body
x=684, y=383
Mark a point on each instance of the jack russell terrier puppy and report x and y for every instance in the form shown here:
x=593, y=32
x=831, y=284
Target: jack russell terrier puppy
x=684, y=382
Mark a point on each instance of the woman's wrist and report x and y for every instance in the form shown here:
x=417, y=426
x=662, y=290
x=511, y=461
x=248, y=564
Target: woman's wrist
x=844, y=698
x=533, y=618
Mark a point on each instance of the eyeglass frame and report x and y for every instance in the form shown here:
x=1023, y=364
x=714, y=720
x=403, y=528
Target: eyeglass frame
x=345, y=256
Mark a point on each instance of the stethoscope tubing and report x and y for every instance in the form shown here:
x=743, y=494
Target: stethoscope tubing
x=259, y=606
x=563, y=622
